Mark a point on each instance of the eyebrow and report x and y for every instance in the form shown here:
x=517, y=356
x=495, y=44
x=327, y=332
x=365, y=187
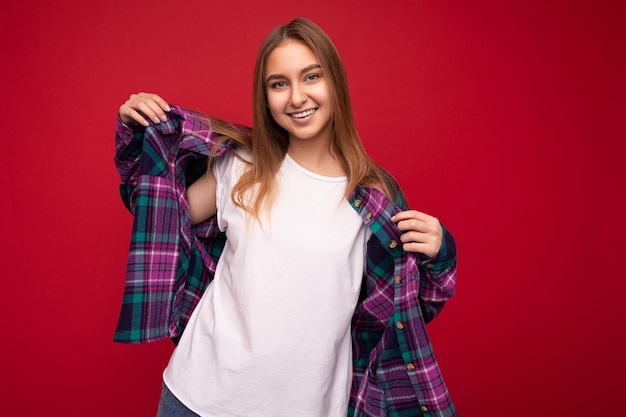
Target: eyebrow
x=304, y=70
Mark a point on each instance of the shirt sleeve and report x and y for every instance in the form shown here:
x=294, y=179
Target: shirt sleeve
x=438, y=277
x=169, y=262
x=128, y=146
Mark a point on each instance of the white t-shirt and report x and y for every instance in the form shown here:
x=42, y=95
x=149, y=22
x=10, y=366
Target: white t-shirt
x=271, y=335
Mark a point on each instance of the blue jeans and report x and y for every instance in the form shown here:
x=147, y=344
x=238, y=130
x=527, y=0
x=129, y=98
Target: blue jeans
x=170, y=406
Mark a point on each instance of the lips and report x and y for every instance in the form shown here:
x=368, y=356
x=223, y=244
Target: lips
x=303, y=114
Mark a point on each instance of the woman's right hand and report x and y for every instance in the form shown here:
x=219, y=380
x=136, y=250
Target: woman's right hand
x=142, y=106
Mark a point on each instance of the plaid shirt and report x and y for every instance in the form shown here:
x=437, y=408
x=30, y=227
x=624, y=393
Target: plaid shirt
x=170, y=264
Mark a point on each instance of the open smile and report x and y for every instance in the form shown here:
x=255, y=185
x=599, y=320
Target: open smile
x=303, y=114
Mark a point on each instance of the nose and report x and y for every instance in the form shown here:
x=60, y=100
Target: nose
x=298, y=96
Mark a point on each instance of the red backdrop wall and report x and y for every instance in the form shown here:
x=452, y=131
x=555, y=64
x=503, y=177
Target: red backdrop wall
x=504, y=119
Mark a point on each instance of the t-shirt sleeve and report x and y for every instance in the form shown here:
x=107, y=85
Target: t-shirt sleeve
x=227, y=170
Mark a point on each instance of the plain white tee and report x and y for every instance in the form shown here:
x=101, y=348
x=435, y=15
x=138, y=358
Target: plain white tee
x=271, y=335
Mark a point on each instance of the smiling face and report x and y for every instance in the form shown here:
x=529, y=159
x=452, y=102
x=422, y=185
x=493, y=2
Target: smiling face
x=298, y=93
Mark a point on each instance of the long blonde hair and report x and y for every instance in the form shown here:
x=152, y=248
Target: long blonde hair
x=269, y=141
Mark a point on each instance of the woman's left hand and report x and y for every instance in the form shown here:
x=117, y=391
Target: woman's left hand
x=421, y=232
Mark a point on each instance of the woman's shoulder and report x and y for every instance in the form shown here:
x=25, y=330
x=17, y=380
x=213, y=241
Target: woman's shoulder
x=235, y=161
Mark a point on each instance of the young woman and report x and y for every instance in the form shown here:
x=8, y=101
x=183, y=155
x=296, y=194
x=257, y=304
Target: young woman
x=289, y=258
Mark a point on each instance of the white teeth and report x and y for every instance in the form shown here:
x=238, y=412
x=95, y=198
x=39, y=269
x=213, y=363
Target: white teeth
x=303, y=114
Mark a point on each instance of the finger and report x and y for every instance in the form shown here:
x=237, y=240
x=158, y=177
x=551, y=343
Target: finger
x=418, y=237
x=423, y=248
x=156, y=103
x=150, y=109
x=410, y=214
x=128, y=114
x=151, y=105
x=427, y=243
x=429, y=227
x=162, y=103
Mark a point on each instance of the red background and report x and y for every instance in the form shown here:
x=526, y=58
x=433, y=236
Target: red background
x=504, y=119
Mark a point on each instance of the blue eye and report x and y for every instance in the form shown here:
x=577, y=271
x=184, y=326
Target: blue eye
x=278, y=84
x=312, y=77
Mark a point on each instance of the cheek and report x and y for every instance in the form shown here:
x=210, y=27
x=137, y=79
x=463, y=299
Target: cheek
x=322, y=91
x=275, y=107
x=277, y=115
x=272, y=102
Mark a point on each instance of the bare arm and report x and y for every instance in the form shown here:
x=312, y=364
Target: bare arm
x=201, y=198
x=200, y=194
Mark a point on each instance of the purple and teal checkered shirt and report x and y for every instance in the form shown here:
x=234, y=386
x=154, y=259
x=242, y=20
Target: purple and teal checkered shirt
x=170, y=264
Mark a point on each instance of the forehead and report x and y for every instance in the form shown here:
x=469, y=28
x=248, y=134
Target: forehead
x=289, y=56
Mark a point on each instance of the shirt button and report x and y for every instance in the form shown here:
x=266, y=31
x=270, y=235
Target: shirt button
x=369, y=216
x=430, y=266
x=357, y=203
x=400, y=325
x=424, y=408
x=393, y=244
x=398, y=279
x=410, y=367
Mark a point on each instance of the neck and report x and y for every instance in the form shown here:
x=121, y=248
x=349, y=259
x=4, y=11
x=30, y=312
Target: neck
x=316, y=156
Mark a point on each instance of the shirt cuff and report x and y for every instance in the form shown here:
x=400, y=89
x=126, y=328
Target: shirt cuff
x=444, y=258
